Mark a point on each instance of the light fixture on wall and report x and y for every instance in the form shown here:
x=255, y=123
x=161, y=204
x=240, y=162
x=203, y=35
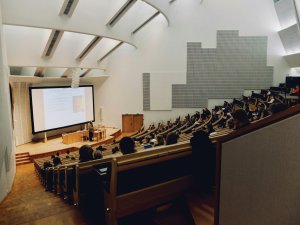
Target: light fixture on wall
x=75, y=77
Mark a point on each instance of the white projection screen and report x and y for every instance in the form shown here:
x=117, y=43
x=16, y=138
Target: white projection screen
x=58, y=107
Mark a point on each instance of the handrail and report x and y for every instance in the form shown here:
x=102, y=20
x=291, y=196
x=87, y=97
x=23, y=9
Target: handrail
x=294, y=110
x=205, y=123
x=169, y=130
x=194, y=124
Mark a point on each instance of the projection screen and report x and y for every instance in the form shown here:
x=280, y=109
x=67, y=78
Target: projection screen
x=58, y=107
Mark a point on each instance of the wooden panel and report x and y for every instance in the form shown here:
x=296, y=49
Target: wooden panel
x=152, y=196
x=138, y=121
x=127, y=123
x=132, y=122
x=72, y=137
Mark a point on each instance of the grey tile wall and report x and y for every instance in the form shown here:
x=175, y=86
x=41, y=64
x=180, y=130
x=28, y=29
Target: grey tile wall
x=146, y=91
x=236, y=64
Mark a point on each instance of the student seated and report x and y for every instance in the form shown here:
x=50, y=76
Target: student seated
x=295, y=91
x=100, y=148
x=56, y=161
x=160, y=140
x=127, y=145
x=277, y=107
x=85, y=153
x=97, y=155
x=171, y=138
x=68, y=154
x=47, y=164
x=240, y=119
x=115, y=150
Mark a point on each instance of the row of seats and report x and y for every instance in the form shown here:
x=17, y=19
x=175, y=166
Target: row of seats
x=130, y=183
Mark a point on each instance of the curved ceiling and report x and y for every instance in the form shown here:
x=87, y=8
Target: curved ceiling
x=46, y=34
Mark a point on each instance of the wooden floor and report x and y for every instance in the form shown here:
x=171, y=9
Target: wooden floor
x=29, y=204
x=56, y=144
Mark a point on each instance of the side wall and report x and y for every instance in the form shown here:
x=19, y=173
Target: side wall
x=163, y=49
x=7, y=146
x=260, y=176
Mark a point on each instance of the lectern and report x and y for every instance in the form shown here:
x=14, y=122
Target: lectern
x=132, y=122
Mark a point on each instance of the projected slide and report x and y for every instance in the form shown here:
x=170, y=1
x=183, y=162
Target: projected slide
x=61, y=107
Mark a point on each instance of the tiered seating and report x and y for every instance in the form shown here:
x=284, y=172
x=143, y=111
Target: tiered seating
x=118, y=174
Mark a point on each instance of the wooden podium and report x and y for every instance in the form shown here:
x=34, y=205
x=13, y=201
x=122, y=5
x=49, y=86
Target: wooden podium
x=81, y=135
x=132, y=122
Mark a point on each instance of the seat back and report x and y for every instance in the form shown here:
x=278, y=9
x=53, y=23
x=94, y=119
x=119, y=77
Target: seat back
x=147, y=179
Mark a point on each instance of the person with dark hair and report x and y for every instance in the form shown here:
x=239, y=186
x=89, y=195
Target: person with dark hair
x=100, y=148
x=160, y=140
x=91, y=131
x=277, y=107
x=240, y=119
x=203, y=161
x=85, y=153
x=127, y=145
x=295, y=91
x=47, y=164
x=56, y=161
x=171, y=138
x=68, y=154
x=97, y=155
x=115, y=150
x=210, y=128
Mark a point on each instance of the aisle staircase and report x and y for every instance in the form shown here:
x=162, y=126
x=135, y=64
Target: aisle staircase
x=22, y=158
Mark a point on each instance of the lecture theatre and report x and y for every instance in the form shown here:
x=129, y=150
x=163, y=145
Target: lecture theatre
x=149, y=112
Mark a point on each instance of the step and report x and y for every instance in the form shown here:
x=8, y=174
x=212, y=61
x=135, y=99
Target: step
x=23, y=162
x=22, y=154
x=22, y=158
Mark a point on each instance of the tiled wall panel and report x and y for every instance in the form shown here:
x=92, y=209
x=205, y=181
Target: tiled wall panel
x=146, y=91
x=236, y=64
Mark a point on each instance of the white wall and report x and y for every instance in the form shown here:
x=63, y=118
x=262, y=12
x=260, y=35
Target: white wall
x=7, y=149
x=162, y=48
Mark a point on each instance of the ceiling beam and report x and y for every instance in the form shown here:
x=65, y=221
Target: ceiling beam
x=68, y=7
x=121, y=12
x=40, y=72
x=146, y=22
x=85, y=73
x=52, y=43
x=111, y=51
x=89, y=48
x=67, y=73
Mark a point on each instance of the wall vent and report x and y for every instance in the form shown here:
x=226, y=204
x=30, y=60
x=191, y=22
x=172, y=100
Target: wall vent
x=121, y=12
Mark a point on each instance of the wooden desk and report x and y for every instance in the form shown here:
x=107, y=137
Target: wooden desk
x=99, y=134
x=81, y=135
x=73, y=137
